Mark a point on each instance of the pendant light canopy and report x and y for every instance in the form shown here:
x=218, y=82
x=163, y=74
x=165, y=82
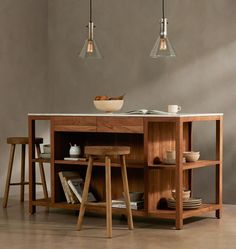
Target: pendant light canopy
x=90, y=49
x=163, y=47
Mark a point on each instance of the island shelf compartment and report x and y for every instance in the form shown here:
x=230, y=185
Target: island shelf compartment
x=97, y=186
x=62, y=142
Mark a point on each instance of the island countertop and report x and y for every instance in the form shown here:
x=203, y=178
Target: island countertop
x=184, y=115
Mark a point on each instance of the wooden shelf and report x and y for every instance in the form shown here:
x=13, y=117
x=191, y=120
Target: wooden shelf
x=171, y=214
x=42, y=160
x=192, y=165
x=129, y=163
x=159, y=213
x=205, y=208
x=90, y=208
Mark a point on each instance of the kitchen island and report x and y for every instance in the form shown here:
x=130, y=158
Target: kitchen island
x=149, y=137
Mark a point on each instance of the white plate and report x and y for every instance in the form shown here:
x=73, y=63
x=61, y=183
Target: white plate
x=190, y=200
x=191, y=203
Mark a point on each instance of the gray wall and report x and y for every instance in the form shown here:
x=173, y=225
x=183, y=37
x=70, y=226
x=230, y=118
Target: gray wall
x=41, y=73
x=200, y=79
x=23, y=71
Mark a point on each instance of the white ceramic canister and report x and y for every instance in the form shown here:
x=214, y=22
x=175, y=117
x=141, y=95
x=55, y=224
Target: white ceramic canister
x=74, y=151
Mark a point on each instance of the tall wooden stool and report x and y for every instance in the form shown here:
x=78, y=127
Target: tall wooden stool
x=23, y=141
x=107, y=152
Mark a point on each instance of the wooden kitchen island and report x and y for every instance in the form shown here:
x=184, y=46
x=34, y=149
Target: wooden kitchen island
x=149, y=136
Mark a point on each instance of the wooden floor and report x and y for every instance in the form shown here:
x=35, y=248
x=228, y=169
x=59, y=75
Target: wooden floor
x=56, y=229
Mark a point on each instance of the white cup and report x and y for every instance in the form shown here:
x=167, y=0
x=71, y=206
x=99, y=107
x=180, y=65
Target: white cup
x=174, y=108
x=170, y=154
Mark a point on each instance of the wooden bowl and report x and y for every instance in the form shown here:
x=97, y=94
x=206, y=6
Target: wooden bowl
x=108, y=105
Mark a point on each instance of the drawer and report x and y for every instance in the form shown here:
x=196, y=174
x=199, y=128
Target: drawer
x=83, y=124
x=121, y=125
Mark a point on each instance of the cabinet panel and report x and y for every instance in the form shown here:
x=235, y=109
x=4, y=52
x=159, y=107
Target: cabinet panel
x=117, y=124
x=74, y=124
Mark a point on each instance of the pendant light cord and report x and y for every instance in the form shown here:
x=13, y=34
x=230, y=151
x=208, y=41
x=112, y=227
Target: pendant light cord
x=163, y=9
x=90, y=19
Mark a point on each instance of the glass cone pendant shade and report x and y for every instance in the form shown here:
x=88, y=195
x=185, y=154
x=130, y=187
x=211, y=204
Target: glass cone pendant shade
x=90, y=50
x=162, y=48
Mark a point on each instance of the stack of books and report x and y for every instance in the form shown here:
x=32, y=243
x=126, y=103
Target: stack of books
x=73, y=186
x=135, y=205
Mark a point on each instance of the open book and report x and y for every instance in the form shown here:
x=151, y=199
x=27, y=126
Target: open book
x=64, y=177
x=145, y=111
x=136, y=205
x=77, y=186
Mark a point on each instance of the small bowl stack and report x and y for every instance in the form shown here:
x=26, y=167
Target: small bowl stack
x=188, y=202
x=191, y=156
x=185, y=194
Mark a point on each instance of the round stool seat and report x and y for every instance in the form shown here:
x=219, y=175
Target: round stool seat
x=23, y=140
x=107, y=150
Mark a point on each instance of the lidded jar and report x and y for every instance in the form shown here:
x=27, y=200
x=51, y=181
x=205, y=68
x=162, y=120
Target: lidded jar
x=74, y=151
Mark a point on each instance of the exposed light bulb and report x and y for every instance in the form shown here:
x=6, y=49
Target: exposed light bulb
x=163, y=44
x=90, y=47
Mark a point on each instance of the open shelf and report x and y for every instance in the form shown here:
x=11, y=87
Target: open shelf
x=186, y=166
x=171, y=213
x=129, y=163
x=89, y=208
x=159, y=213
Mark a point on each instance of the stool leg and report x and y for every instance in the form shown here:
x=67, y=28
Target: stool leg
x=22, y=178
x=85, y=193
x=8, y=181
x=126, y=191
x=42, y=174
x=108, y=196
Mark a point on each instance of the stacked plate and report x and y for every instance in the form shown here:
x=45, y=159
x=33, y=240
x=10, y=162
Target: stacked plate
x=191, y=203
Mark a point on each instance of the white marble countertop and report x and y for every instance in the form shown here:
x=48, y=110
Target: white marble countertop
x=126, y=114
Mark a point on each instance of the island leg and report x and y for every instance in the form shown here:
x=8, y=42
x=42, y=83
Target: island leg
x=219, y=171
x=179, y=175
x=32, y=195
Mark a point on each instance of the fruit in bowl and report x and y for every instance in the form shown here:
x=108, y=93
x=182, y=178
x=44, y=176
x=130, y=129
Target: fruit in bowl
x=108, y=104
x=104, y=97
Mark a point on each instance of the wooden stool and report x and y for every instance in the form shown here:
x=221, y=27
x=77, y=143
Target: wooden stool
x=107, y=152
x=13, y=141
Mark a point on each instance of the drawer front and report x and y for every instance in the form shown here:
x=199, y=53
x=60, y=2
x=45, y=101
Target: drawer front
x=75, y=124
x=121, y=125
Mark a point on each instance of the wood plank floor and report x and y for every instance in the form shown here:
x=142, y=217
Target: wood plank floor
x=56, y=230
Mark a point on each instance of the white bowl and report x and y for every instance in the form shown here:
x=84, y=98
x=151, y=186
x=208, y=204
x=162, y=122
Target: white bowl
x=191, y=156
x=108, y=105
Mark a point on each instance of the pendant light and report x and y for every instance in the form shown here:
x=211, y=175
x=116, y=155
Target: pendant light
x=163, y=47
x=90, y=49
